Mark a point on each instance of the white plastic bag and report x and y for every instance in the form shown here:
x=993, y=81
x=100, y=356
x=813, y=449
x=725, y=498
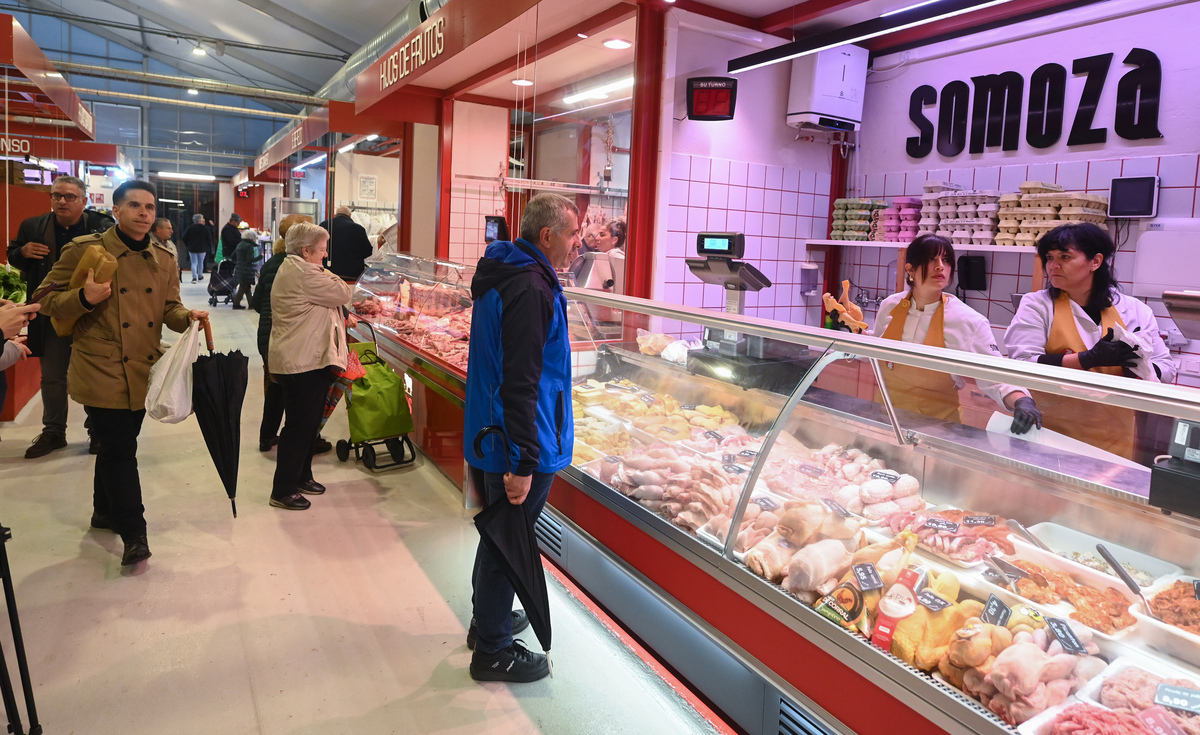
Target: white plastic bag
x=169, y=397
x=1144, y=368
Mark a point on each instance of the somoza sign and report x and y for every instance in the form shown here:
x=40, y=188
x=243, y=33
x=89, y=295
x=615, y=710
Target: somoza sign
x=417, y=52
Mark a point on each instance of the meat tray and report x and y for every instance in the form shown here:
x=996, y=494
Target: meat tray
x=924, y=549
x=1061, y=538
x=1162, y=636
x=1090, y=693
x=1044, y=721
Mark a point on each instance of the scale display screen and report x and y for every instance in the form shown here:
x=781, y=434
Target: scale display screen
x=721, y=244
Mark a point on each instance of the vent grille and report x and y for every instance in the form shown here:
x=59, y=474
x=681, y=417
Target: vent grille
x=794, y=721
x=549, y=534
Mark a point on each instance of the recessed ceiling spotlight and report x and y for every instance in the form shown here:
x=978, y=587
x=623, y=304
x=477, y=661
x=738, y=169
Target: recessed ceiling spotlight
x=582, y=35
x=617, y=44
x=522, y=82
x=199, y=51
x=193, y=91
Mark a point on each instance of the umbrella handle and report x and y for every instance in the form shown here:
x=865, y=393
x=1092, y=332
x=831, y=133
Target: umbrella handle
x=207, y=333
x=483, y=433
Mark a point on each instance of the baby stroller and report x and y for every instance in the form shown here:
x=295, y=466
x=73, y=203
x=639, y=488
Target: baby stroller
x=220, y=283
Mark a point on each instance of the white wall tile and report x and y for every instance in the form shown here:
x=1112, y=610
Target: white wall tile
x=677, y=218
x=1140, y=166
x=790, y=203
x=987, y=178
x=735, y=221
x=697, y=219
x=1178, y=170
x=875, y=185
x=808, y=181
x=821, y=206
x=754, y=223
x=679, y=192
x=893, y=185
x=738, y=172
x=716, y=220
x=806, y=204
x=791, y=179
x=914, y=184
x=700, y=168
x=698, y=194
x=1042, y=172
x=1072, y=175
x=964, y=176
x=787, y=225
x=757, y=175
x=737, y=197
x=774, y=177
x=755, y=199
x=771, y=224
x=938, y=174
x=1176, y=202
x=719, y=171
x=772, y=201
x=824, y=180
x=718, y=196
x=677, y=245
x=804, y=228
x=1012, y=176
x=681, y=165
x=1101, y=173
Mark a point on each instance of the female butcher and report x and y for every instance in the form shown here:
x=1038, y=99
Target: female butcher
x=1071, y=322
x=926, y=315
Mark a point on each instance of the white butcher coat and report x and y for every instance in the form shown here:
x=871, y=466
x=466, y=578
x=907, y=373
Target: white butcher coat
x=965, y=329
x=1030, y=328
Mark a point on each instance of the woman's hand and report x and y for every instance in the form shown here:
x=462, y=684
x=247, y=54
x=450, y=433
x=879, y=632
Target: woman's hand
x=20, y=342
x=14, y=317
x=351, y=321
x=1109, y=352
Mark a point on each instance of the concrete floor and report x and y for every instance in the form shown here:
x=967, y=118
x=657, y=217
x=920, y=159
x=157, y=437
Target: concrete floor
x=347, y=618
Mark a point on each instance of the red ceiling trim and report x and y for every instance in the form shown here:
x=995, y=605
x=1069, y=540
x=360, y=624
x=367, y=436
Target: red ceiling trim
x=789, y=18
x=727, y=16
x=480, y=99
x=597, y=23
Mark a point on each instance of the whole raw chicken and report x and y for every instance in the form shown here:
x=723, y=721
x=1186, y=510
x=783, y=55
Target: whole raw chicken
x=769, y=557
x=1027, y=678
x=815, y=569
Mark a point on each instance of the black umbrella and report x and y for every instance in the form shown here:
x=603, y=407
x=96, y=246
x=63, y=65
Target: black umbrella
x=218, y=389
x=507, y=530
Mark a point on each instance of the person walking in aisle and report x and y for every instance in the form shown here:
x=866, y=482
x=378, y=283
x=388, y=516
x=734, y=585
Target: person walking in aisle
x=34, y=251
x=308, y=338
x=349, y=246
x=198, y=242
x=243, y=269
x=231, y=236
x=116, y=339
x=518, y=377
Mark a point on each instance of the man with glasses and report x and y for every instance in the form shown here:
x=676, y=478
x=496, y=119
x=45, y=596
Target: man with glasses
x=35, y=250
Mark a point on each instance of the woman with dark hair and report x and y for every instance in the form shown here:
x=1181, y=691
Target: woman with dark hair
x=1071, y=323
x=925, y=314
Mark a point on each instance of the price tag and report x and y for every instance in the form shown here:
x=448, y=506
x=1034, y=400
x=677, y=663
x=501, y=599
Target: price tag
x=933, y=601
x=996, y=612
x=734, y=469
x=979, y=520
x=648, y=399
x=688, y=407
x=752, y=453
x=612, y=459
x=729, y=459
x=715, y=436
x=867, y=576
x=1158, y=721
x=765, y=503
x=891, y=477
x=668, y=429
x=1180, y=698
x=811, y=470
x=837, y=508
x=941, y=524
x=1196, y=587
x=1062, y=631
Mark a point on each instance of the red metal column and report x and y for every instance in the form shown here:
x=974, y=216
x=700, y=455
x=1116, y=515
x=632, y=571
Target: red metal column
x=404, y=228
x=643, y=174
x=445, y=178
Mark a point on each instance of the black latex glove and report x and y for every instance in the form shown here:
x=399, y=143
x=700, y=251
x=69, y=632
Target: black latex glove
x=1025, y=415
x=835, y=322
x=1109, y=353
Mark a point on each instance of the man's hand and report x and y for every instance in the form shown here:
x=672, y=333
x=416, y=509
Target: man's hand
x=35, y=250
x=517, y=488
x=21, y=344
x=95, y=292
x=196, y=315
x=14, y=317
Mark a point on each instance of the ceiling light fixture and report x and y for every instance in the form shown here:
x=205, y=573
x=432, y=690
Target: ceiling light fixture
x=372, y=136
x=917, y=15
x=172, y=201
x=193, y=91
x=54, y=75
x=600, y=92
x=185, y=177
x=347, y=148
x=582, y=109
x=582, y=35
x=617, y=44
x=914, y=6
x=309, y=162
x=522, y=82
x=198, y=50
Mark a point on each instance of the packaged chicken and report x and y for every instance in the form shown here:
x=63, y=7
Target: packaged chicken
x=921, y=638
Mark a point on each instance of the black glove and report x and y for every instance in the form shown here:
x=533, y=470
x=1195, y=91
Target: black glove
x=1109, y=353
x=835, y=322
x=1025, y=415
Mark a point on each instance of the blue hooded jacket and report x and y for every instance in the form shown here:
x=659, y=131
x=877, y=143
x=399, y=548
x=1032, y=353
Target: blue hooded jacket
x=519, y=367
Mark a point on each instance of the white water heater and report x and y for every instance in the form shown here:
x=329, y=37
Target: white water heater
x=827, y=89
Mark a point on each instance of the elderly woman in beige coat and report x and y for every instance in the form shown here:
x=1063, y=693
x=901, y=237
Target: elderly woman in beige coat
x=308, y=341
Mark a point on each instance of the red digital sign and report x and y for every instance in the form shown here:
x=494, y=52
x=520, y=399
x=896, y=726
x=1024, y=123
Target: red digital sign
x=711, y=98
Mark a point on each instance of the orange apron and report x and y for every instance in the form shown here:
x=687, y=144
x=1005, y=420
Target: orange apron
x=927, y=392
x=1110, y=428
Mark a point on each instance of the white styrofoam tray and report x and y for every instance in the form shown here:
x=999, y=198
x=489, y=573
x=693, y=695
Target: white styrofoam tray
x=1062, y=538
x=1162, y=636
x=1090, y=692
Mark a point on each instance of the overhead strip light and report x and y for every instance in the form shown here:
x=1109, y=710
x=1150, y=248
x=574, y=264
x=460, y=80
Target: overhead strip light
x=309, y=162
x=914, y=6
x=185, y=177
x=346, y=148
x=372, y=136
x=911, y=17
x=600, y=92
x=581, y=109
x=171, y=201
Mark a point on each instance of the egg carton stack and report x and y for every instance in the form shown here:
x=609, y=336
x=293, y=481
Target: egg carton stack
x=908, y=218
x=931, y=206
x=967, y=217
x=1040, y=207
x=852, y=218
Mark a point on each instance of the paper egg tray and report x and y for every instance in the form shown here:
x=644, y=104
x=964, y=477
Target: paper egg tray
x=1039, y=227
x=1010, y=226
x=933, y=186
x=1082, y=215
x=1038, y=187
x=1038, y=213
x=1005, y=239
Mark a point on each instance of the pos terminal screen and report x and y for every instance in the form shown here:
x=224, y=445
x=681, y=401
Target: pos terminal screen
x=721, y=244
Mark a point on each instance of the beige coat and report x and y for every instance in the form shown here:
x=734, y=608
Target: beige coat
x=116, y=342
x=308, y=331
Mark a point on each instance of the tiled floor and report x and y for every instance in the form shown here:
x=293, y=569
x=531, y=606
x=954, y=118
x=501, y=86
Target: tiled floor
x=348, y=618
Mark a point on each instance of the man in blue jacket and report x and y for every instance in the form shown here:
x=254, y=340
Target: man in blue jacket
x=519, y=378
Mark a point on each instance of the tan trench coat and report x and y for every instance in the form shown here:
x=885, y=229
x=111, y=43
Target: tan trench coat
x=117, y=342
x=308, y=331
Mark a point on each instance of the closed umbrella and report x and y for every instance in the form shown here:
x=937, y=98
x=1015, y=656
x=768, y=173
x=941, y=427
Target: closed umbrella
x=218, y=390
x=507, y=530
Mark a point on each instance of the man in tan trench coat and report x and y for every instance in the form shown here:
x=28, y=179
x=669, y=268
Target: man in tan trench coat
x=115, y=342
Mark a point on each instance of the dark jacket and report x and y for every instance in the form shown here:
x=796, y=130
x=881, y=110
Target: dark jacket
x=519, y=368
x=243, y=260
x=197, y=239
x=230, y=237
x=34, y=271
x=349, y=247
x=261, y=300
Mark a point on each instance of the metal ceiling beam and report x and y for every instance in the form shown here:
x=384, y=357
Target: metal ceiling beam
x=178, y=82
x=226, y=109
x=242, y=56
x=789, y=18
x=304, y=25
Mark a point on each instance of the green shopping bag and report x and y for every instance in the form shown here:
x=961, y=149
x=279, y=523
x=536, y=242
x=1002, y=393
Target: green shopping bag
x=376, y=405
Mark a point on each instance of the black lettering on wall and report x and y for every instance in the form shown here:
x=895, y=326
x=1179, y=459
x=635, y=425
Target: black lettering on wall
x=921, y=145
x=1096, y=68
x=952, y=118
x=1138, y=95
x=996, y=115
x=1047, y=98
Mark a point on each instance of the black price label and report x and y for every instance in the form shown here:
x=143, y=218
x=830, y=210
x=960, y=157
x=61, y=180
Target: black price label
x=1180, y=698
x=729, y=458
x=648, y=399
x=867, y=576
x=715, y=436
x=668, y=429
x=765, y=503
x=688, y=407
x=979, y=520
x=734, y=469
x=747, y=453
x=1196, y=587
x=932, y=601
x=941, y=524
x=612, y=459
x=891, y=477
x=811, y=470
x=837, y=508
x=996, y=612
x=1066, y=636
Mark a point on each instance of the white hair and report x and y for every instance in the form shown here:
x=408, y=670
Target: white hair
x=302, y=235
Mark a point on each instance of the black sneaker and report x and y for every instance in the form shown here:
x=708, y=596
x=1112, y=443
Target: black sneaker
x=520, y=621
x=321, y=445
x=136, y=549
x=515, y=663
x=100, y=522
x=295, y=501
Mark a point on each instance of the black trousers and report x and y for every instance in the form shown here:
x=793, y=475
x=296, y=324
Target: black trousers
x=272, y=405
x=304, y=404
x=243, y=289
x=117, y=489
